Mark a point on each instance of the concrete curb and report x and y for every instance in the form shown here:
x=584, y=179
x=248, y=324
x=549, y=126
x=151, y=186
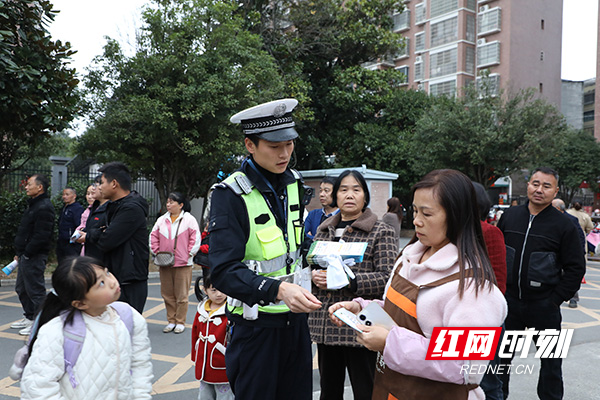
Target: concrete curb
x=154, y=274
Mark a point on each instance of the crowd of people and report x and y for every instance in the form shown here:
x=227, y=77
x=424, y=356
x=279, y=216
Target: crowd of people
x=261, y=304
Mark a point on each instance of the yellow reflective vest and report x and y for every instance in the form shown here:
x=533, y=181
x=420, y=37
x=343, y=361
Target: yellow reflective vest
x=268, y=253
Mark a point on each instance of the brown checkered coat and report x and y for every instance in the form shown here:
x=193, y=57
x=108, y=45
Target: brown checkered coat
x=371, y=274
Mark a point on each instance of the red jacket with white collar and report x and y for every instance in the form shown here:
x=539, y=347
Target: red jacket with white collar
x=208, y=344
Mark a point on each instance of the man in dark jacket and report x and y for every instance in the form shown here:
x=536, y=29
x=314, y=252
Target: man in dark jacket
x=124, y=238
x=32, y=245
x=68, y=221
x=545, y=266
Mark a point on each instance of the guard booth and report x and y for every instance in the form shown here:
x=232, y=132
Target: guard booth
x=379, y=183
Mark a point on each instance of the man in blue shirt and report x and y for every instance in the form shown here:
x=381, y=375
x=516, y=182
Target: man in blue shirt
x=317, y=216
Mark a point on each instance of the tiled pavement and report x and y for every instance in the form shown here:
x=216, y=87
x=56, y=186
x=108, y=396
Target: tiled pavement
x=173, y=370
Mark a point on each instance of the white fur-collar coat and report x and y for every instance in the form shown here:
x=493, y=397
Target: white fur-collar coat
x=112, y=364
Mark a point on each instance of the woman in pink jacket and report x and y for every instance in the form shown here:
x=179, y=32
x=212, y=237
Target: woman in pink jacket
x=443, y=278
x=177, y=228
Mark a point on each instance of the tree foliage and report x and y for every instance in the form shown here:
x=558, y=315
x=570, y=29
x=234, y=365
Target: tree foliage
x=487, y=137
x=165, y=110
x=320, y=46
x=38, y=92
x=576, y=158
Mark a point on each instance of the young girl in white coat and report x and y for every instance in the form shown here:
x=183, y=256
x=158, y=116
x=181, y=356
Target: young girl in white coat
x=113, y=364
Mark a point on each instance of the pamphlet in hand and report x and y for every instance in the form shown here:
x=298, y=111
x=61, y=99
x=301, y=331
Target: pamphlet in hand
x=320, y=249
x=348, y=318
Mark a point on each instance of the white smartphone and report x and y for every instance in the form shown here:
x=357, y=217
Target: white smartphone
x=348, y=318
x=374, y=314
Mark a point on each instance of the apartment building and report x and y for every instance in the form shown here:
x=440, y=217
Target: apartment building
x=449, y=43
x=589, y=105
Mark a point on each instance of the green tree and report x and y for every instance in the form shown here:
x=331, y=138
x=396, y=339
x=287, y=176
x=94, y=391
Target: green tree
x=38, y=94
x=320, y=46
x=576, y=158
x=165, y=110
x=487, y=137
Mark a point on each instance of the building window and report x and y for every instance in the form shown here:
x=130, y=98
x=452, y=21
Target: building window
x=471, y=28
x=441, y=7
x=470, y=60
x=541, y=87
x=588, y=116
x=447, y=88
x=419, y=41
x=404, y=70
x=488, y=86
x=403, y=51
x=488, y=54
x=541, y=56
x=418, y=71
x=489, y=21
x=420, y=13
x=471, y=5
x=588, y=98
x=401, y=21
x=442, y=63
x=542, y=24
x=444, y=32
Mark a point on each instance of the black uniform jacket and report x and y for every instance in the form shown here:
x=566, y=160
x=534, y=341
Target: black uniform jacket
x=35, y=231
x=229, y=229
x=70, y=218
x=543, y=254
x=124, y=241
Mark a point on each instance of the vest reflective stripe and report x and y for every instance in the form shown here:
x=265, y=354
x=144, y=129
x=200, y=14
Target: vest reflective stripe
x=266, y=249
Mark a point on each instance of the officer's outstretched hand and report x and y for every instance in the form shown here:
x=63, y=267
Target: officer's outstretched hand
x=298, y=299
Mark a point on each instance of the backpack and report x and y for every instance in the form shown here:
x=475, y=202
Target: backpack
x=74, y=336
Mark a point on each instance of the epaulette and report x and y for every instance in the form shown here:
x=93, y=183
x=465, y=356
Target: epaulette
x=240, y=184
x=296, y=174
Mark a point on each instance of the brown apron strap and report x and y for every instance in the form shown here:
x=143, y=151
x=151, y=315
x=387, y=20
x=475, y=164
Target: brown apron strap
x=449, y=278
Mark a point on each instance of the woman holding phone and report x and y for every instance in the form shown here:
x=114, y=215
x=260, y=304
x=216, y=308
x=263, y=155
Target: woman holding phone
x=443, y=278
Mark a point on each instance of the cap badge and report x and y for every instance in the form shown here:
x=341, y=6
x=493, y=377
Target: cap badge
x=279, y=110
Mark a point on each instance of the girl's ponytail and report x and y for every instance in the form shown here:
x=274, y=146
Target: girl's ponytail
x=51, y=308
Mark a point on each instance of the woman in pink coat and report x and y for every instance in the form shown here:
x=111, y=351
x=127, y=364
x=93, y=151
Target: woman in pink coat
x=443, y=278
x=177, y=228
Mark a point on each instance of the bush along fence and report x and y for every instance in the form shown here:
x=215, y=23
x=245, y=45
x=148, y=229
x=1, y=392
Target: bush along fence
x=13, y=199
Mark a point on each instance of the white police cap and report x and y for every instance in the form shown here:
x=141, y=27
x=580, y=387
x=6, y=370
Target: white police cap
x=270, y=121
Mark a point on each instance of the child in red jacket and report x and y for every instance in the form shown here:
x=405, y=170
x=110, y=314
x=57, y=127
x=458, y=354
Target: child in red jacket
x=208, y=343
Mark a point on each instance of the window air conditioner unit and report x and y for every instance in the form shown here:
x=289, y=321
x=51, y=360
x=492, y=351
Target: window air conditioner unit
x=484, y=8
x=418, y=59
x=480, y=42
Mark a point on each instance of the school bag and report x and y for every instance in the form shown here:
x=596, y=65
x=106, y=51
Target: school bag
x=74, y=336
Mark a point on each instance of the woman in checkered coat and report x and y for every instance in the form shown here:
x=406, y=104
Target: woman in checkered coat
x=337, y=347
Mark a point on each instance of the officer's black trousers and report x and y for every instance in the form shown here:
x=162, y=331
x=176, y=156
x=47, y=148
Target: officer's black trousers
x=271, y=363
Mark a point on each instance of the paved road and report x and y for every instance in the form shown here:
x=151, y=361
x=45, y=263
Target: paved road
x=173, y=370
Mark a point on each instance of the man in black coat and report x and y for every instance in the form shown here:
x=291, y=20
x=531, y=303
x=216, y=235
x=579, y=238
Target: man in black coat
x=124, y=237
x=32, y=245
x=544, y=264
x=68, y=221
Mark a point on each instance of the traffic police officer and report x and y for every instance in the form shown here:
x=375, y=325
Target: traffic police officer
x=255, y=236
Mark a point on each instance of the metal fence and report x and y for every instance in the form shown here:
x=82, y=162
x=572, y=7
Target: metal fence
x=16, y=180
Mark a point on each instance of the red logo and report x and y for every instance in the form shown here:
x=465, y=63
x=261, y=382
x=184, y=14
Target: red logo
x=463, y=343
